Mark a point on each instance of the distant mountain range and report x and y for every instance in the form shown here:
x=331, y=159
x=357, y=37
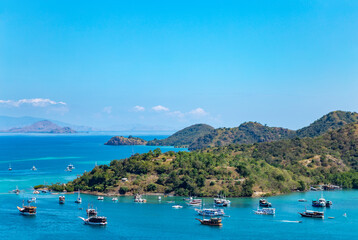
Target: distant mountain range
x=201, y=136
x=44, y=126
x=7, y=123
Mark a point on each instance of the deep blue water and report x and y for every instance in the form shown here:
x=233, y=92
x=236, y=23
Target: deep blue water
x=153, y=220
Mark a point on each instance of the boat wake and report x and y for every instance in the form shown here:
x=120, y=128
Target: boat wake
x=289, y=221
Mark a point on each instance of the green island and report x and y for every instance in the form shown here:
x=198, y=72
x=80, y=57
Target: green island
x=236, y=170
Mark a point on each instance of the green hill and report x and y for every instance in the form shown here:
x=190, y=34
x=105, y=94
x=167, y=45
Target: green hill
x=330, y=121
x=184, y=137
x=235, y=169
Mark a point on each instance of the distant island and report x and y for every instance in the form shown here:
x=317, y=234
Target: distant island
x=200, y=136
x=44, y=126
x=119, y=140
x=238, y=170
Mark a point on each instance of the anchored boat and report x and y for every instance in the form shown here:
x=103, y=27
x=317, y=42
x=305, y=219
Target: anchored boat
x=211, y=221
x=265, y=203
x=61, y=199
x=27, y=210
x=210, y=212
x=312, y=214
x=321, y=203
x=265, y=211
x=79, y=199
x=221, y=202
x=138, y=199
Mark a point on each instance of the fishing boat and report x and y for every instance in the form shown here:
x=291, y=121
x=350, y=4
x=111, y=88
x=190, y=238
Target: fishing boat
x=91, y=211
x=100, y=198
x=210, y=212
x=265, y=211
x=33, y=168
x=138, y=199
x=264, y=203
x=61, y=199
x=79, y=199
x=195, y=202
x=95, y=220
x=321, y=203
x=312, y=214
x=211, y=221
x=177, y=206
x=221, y=202
x=115, y=199
x=27, y=210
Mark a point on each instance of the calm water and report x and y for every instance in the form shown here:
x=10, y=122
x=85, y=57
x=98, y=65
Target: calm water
x=153, y=220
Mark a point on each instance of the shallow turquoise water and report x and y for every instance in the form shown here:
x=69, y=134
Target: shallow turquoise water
x=153, y=220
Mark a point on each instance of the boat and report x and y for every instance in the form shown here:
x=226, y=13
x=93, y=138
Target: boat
x=115, y=199
x=302, y=200
x=61, y=199
x=68, y=170
x=321, y=203
x=91, y=211
x=16, y=191
x=211, y=221
x=70, y=166
x=95, y=220
x=265, y=211
x=264, y=203
x=221, y=202
x=10, y=169
x=33, y=168
x=195, y=202
x=100, y=198
x=30, y=200
x=177, y=206
x=170, y=201
x=188, y=199
x=27, y=210
x=138, y=199
x=210, y=212
x=159, y=198
x=36, y=192
x=79, y=199
x=312, y=214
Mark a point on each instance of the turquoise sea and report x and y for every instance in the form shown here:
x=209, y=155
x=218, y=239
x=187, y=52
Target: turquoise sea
x=153, y=220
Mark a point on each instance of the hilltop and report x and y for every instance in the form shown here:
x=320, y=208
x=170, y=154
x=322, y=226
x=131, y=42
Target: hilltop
x=235, y=170
x=119, y=140
x=44, y=126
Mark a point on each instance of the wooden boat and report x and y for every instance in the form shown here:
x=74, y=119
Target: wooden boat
x=91, y=211
x=61, y=199
x=211, y=221
x=312, y=214
x=95, y=220
x=27, y=210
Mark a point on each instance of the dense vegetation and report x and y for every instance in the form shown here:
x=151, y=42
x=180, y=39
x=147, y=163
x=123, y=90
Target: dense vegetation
x=250, y=132
x=184, y=137
x=330, y=121
x=235, y=169
x=119, y=140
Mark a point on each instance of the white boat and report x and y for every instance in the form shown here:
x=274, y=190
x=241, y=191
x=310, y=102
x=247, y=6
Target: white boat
x=177, y=206
x=16, y=191
x=10, y=169
x=138, y=199
x=68, y=170
x=100, y=198
x=33, y=168
x=70, y=166
x=159, y=198
x=79, y=199
x=195, y=202
x=210, y=212
x=61, y=199
x=265, y=211
x=115, y=199
x=30, y=200
x=36, y=192
x=221, y=202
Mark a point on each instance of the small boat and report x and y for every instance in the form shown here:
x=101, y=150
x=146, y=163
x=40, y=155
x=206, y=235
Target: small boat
x=27, y=210
x=302, y=200
x=188, y=199
x=321, y=203
x=221, y=202
x=210, y=212
x=33, y=168
x=264, y=203
x=100, y=198
x=16, y=191
x=95, y=220
x=330, y=217
x=170, y=201
x=211, y=221
x=70, y=166
x=61, y=199
x=36, y=192
x=115, y=199
x=138, y=199
x=79, y=199
x=312, y=214
x=265, y=211
x=68, y=170
x=30, y=200
x=10, y=169
x=159, y=198
x=177, y=206
x=195, y=202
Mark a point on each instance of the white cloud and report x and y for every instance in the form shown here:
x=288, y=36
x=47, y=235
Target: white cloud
x=138, y=108
x=35, y=102
x=107, y=109
x=160, y=108
x=178, y=114
x=198, y=112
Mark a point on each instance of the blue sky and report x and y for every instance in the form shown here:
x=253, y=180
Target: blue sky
x=167, y=64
